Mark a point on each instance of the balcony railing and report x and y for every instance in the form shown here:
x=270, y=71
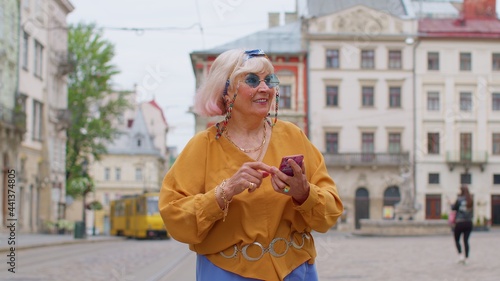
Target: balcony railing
x=467, y=158
x=366, y=159
x=13, y=117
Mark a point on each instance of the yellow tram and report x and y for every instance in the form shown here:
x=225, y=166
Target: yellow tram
x=137, y=216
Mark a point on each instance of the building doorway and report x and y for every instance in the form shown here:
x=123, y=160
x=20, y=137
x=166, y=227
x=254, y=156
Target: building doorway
x=5, y=188
x=495, y=209
x=361, y=206
x=433, y=206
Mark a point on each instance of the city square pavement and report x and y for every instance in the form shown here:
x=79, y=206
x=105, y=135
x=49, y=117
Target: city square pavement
x=344, y=256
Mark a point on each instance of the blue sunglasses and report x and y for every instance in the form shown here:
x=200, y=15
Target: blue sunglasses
x=253, y=80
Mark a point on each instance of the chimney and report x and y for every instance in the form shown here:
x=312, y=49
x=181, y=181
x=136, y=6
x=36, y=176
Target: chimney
x=479, y=9
x=274, y=19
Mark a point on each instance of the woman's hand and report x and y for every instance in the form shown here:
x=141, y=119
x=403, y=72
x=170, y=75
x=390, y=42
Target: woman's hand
x=296, y=186
x=249, y=176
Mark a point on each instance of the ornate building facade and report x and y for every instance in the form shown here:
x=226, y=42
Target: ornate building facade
x=43, y=67
x=12, y=118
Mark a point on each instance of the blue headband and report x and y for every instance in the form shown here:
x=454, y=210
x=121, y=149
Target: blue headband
x=254, y=53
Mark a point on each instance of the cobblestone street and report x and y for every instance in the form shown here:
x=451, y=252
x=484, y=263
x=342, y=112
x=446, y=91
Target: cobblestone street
x=341, y=256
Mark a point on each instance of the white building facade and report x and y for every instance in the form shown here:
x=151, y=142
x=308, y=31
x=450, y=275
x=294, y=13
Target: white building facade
x=361, y=104
x=389, y=91
x=458, y=87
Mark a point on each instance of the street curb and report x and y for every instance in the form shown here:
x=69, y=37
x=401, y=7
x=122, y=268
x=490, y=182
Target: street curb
x=48, y=244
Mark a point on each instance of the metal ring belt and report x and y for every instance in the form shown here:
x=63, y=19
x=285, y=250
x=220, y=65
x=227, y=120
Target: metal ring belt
x=270, y=249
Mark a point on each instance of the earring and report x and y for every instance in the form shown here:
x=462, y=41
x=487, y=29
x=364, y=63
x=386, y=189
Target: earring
x=276, y=107
x=222, y=127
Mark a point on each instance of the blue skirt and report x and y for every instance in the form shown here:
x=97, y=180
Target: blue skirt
x=207, y=271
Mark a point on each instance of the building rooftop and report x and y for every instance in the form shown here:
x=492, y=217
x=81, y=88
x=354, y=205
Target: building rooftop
x=134, y=140
x=463, y=28
x=317, y=8
x=276, y=40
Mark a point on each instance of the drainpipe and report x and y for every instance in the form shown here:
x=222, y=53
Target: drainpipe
x=308, y=88
x=414, y=160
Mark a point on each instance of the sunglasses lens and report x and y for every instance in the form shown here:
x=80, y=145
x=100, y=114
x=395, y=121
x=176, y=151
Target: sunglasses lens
x=271, y=80
x=252, y=80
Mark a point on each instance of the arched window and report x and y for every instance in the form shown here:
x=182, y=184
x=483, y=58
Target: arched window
x=391, y=198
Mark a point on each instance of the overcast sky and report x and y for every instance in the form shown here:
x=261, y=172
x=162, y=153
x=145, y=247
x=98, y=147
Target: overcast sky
x=158, y=61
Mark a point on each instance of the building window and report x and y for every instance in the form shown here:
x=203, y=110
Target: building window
x=433, y=61
x=433, y=143
x=433, y=101
x=21, y=102
x=332, y=96
x=138, y=174
x=368, y=59
x=2, y=21
x=332, y=58
x=37, y=120
x=465, y=101
x=496, y=144
x=465, y=178
x=25, y=46
x=395, y=59
x=495, y=61
x=107, y=174
x=394, y=142
x=496, y=179
x=367, y=146
x=38, y=59
x=495, y=101
x=118, y=174
x=368, y=142
x=332, y=142
x=285, y=97
x=433, y=178
x=394, y=97
x=465, y=146
x=367, y=96
x=465, y=61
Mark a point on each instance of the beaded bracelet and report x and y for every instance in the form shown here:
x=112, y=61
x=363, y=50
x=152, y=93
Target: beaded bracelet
x=224, y=198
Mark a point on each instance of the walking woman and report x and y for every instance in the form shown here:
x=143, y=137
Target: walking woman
x=463, y=222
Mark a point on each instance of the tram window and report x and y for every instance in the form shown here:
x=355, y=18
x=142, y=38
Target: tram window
x=140, y=208
x=152, y=205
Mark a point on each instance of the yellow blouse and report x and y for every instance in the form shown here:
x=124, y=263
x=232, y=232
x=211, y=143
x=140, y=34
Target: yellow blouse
x=191, y=214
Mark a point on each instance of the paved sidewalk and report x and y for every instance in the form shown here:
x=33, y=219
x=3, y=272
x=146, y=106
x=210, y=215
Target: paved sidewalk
x=33, y=240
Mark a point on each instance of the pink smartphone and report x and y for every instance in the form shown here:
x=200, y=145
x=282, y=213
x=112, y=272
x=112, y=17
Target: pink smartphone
x=287, y=169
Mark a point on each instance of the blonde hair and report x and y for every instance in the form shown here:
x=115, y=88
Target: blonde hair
x=229, y=65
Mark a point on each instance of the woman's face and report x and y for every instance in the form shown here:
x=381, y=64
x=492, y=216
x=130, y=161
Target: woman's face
x=256, y=92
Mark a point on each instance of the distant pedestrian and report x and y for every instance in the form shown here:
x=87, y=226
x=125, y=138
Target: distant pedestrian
x=463, y=222
x=225, y=196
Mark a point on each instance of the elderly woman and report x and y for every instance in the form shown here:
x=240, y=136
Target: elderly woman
x=225, y=196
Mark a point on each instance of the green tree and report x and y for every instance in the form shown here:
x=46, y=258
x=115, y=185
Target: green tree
x=93, y=104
